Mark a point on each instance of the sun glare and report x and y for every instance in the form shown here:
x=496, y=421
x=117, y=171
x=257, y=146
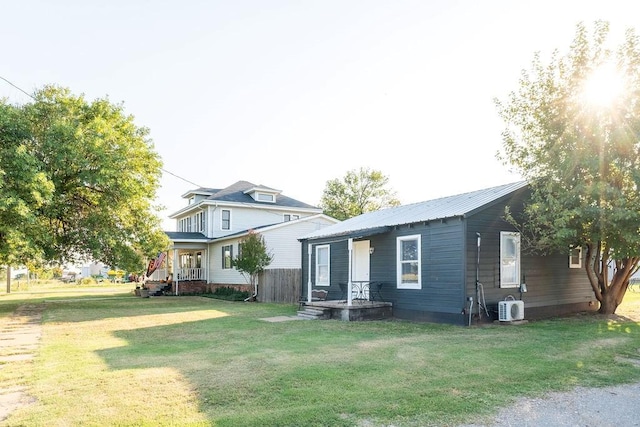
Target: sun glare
x=604, y=86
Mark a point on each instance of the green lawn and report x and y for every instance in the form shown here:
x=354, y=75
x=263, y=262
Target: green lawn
x=114, y=359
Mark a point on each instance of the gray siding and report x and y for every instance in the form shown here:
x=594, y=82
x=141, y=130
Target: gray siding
x=550, y=281
x=442, y=269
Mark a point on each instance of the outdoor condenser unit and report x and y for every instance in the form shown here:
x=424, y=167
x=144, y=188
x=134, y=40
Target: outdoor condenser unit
x=510, y=310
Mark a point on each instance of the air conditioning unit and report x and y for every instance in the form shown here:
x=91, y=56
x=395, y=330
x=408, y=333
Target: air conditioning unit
x=510, y=310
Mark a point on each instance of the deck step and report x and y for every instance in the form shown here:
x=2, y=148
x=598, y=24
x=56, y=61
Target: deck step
x=314, y=313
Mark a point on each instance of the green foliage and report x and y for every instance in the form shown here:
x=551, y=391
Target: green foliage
x=88, y=281
x=24, y=188
x=79, y=179
x=358, y=192
x=253, y=257
x=228, y=293
x=581, y=158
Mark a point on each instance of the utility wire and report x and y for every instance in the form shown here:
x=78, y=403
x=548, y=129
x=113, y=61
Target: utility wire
x=179, y=177
x=20, y=89
x=163, y=170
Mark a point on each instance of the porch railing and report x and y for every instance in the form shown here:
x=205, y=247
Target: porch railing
x=183, y=274
x=159, y=274
x=190, y=274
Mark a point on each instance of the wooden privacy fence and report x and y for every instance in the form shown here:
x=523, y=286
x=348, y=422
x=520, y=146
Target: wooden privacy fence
x=280, y=285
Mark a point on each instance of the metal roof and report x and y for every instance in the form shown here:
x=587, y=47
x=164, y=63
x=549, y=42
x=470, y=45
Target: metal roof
x=446, y=207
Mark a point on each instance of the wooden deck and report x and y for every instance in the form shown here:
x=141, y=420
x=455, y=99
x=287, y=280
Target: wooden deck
x=339, y=310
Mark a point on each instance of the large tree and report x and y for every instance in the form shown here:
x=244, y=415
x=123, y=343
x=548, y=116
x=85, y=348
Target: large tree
x=90, y=180
x=360, y=191
x=573, y=131
x=24, y=188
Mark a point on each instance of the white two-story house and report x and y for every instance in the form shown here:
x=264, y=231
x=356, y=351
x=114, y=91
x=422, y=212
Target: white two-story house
x=215, y=221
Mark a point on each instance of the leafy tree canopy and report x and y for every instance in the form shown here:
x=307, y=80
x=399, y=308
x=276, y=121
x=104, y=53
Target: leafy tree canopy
x=78, y=182
x=573, y=130
x=360, y=191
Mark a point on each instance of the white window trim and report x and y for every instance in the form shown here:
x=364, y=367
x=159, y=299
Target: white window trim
x=265, y=197
x=399, y=262
x=224, y=258
x=328, y=248
x=572, y=264
x=230, y=220
x=503, y=282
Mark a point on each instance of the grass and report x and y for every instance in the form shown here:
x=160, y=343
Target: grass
x=113, y=359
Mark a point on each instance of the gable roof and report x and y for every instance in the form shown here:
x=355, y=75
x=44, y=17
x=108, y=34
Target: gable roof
x=460, y=205
x=239, y=192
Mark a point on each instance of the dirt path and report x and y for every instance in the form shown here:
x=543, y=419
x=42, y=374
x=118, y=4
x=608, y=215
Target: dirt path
x=19, y=339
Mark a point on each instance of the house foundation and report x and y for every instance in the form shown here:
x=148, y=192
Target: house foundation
x=339, y=310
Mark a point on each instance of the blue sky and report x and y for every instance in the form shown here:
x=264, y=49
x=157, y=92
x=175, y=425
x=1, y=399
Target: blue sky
x=291, y=94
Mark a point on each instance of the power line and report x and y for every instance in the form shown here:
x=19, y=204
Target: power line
x=164, y=170
x=20, y=89
x=179, y=177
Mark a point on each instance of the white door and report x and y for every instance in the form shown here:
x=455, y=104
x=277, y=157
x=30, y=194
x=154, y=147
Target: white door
x=360, y=267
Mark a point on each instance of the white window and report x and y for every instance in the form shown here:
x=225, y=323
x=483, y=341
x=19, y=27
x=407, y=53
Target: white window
x=265, y=197
x=185, y=224
x=290, y=217
x=509, y=259
x=225, y=219
x=409, y=255
x=199, y=221
x=575, y=257
x=322, y=265
x=227, y=256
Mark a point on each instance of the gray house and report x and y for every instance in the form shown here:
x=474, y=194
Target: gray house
x=453, y=260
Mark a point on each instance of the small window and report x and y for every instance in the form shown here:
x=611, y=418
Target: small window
x=322, y=265
x=265, y=197
x=227, y=256
x=409, y=270
x=225, y=219
x=509, y=259
x=290, y=217
x=575, y=257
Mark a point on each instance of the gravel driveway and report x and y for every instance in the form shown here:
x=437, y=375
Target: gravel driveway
x=617, y=406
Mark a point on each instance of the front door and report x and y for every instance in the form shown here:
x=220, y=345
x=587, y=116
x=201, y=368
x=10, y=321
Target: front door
x=360, y=266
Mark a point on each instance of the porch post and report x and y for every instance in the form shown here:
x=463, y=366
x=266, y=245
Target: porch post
x=175, y=268
x=309, y=274
x=349, y=284
x=206, y=264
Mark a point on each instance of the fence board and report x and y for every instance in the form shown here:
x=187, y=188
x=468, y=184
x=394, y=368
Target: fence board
x=280, y=285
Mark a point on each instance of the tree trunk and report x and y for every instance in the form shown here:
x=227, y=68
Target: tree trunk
x=608, y=303
x=8, y=279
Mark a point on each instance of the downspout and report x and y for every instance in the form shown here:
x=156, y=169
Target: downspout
x=349, y=283
x=309, y=249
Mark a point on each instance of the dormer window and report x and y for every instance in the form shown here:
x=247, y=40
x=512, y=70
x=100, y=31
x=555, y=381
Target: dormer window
x=263, y=194
x=265, y=197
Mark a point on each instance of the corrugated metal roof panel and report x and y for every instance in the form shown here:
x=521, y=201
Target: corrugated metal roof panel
x=445, y=207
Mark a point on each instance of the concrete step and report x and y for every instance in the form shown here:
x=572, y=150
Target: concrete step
x=314, y=313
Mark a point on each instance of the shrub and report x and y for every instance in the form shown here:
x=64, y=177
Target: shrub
x=228, y=293
x=87, y=281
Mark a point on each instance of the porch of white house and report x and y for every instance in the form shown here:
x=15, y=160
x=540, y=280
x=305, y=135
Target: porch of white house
x=182, y=265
